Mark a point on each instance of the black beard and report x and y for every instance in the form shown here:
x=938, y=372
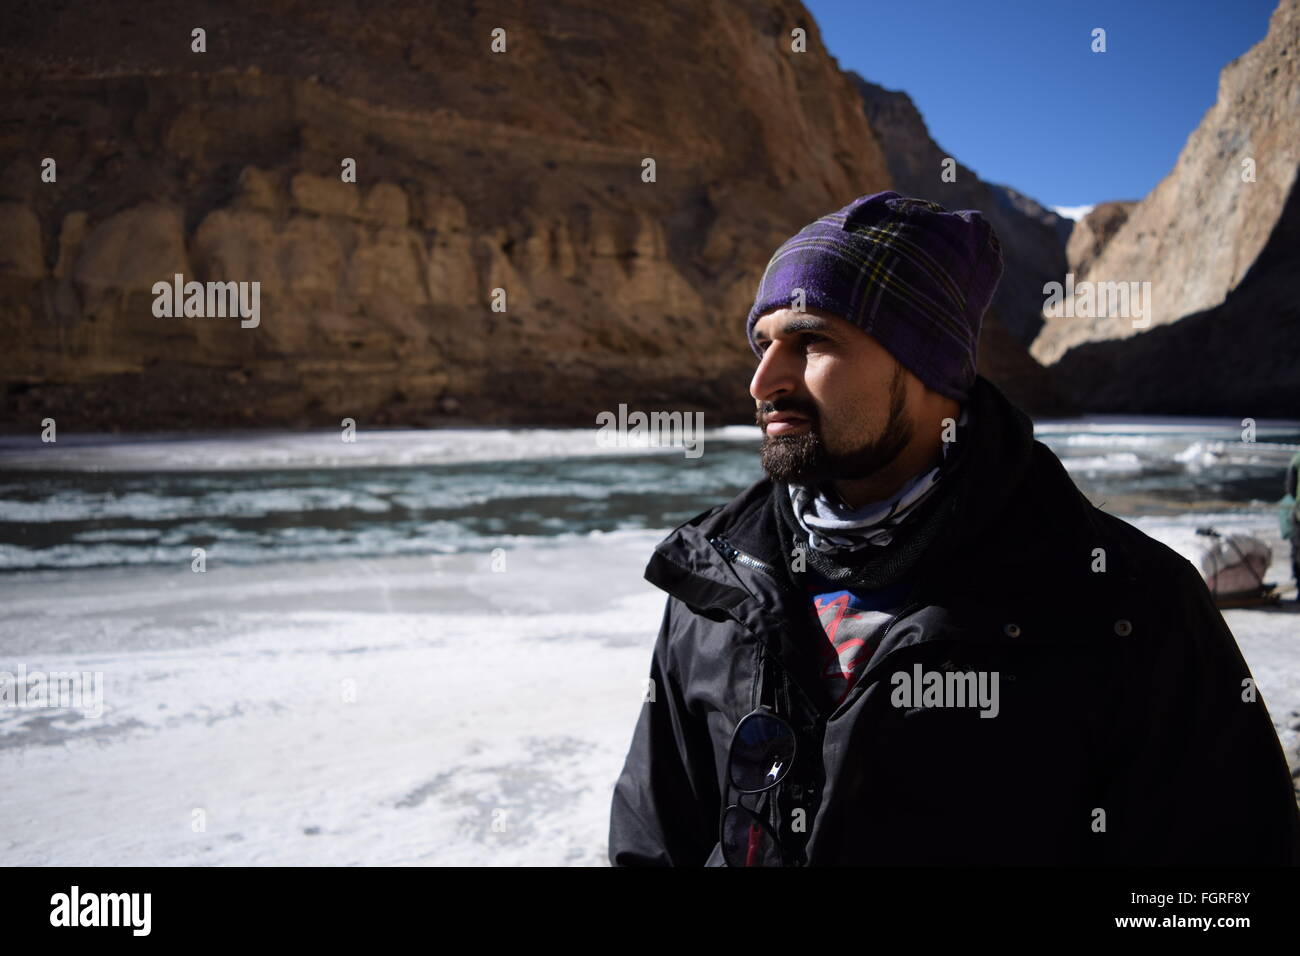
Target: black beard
x=803, y=459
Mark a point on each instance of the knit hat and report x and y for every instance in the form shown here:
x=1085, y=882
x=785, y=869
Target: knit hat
x=914, y=276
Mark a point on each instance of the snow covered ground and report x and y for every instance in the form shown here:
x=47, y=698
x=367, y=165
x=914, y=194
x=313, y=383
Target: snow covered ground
x=407, y=710
x=489, y=712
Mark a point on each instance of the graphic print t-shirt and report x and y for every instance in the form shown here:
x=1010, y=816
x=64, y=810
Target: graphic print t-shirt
x=852, y=621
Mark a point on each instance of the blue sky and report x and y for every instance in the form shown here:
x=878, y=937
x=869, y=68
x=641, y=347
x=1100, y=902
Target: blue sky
x=1012, y=89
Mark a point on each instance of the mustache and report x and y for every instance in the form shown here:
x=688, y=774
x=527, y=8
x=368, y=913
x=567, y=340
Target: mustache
x=772, y=408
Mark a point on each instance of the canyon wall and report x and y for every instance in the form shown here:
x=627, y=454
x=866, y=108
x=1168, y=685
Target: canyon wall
x=1217, y=241
x=520, y=170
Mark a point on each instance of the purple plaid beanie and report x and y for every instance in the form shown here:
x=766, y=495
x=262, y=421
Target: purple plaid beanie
x=912, y=275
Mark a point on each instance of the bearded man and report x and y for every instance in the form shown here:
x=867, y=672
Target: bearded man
x=915, y=641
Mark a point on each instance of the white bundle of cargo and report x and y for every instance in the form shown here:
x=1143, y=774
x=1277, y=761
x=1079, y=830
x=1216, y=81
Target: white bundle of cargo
x=1233, y=564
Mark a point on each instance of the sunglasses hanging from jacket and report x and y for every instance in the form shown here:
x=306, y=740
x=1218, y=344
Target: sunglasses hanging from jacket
x=760, y=760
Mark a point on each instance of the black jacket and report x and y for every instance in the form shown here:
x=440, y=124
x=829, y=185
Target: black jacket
x=1128, y=731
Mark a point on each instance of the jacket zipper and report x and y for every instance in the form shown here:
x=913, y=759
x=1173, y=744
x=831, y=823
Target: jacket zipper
x=732, y=553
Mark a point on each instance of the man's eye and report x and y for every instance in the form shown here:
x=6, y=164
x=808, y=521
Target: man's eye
x=805, y=337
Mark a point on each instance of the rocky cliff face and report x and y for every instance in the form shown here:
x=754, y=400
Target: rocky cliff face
x=476, y=170
x=1220, y=254
x=1092, y=233
x=1033, y=243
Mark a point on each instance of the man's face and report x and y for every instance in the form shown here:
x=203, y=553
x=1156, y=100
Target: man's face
x=843, y=398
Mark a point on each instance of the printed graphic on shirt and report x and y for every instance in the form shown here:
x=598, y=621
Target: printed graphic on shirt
x=851, y=625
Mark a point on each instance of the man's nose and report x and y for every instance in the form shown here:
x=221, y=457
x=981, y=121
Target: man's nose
x=774, y=376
